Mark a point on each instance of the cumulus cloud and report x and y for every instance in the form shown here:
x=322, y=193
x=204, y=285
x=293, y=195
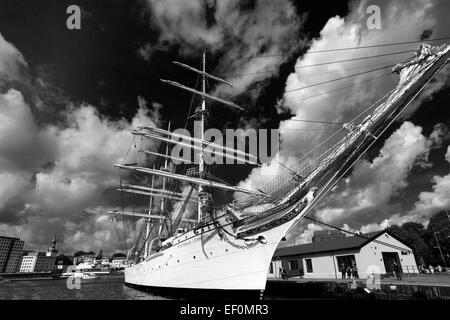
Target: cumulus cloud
x=234, y=29
x=401, y=20
x=54, y=172
x=56, y=160
x=23, y=145
x=430, y=202
x=12, y=62
x=364, y=197
x=303, y=235
x=440, y=135
x=373, y=184
x=447, y=155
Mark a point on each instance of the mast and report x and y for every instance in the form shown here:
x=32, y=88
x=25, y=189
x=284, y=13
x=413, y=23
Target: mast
x=164, y=184
x=201, y=165
x=147, y=231
x=204, y=198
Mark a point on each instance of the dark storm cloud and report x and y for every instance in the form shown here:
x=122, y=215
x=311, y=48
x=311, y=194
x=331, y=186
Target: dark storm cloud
x=233, y=33
x=51, y=171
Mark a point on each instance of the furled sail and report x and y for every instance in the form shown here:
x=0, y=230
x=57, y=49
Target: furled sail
x=330, y=156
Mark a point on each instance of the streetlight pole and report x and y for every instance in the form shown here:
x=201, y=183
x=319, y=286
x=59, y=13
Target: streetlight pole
x=439, y=247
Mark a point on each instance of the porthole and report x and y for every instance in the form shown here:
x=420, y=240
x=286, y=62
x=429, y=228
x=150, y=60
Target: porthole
x=194, y=257
x=226, y=250
x=211, y=253
x=178, y=261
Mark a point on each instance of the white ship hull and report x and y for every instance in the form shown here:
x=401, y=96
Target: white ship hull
x=208, y=261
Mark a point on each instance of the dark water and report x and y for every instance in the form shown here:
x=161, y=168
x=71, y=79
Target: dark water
x=105, y=288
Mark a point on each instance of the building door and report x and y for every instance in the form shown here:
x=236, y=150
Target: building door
x=276, y=265
x=389, y=258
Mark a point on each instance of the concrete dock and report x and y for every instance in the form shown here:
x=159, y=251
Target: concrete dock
x=425, y=287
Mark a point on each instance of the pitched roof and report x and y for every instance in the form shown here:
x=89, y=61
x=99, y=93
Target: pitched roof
x=354, y=242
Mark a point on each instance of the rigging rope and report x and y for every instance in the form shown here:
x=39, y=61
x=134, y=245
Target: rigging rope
x=327, y=140
x=326, y=189
x=321, y=64
x=358, y=235
x=315, y=121
x=338, y=79
x=353, y=59
x=350, y=86
x=379, y=45
x=353, y=48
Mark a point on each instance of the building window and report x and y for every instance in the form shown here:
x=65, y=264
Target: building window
x=271, y=268
x=309, y=267
x=293, y=265
x=346, y=262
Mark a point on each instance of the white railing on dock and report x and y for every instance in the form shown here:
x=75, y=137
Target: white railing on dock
x=410, y=270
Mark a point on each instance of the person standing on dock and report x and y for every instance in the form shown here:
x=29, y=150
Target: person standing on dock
x=399, y=272
x=396, y=271
x=283, y=274
x=349, y=272
x=355, y=272
x=301, y=273
x=342, y=269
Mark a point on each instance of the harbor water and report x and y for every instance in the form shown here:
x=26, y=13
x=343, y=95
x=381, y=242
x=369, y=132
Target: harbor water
x=104, y=288
x=113, y=288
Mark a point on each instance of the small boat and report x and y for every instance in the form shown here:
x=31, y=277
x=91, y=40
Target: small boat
x=82, y=275
x=88, y=275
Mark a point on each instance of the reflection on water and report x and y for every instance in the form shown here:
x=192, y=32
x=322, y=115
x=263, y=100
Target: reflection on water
x=106, y=288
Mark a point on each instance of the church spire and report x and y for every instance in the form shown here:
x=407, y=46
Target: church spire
x=54, y=242
x=52, y=250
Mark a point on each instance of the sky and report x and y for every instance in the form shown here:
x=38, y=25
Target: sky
x=68, y=99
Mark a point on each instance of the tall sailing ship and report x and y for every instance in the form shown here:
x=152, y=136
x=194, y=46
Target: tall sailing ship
x=230, y=247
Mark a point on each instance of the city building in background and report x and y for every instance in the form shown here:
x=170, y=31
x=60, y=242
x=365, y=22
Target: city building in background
x=63, y=262
x=119, y=263
x=10, y=254
x=87, y=258
x=28, y=263
x=40, y=261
